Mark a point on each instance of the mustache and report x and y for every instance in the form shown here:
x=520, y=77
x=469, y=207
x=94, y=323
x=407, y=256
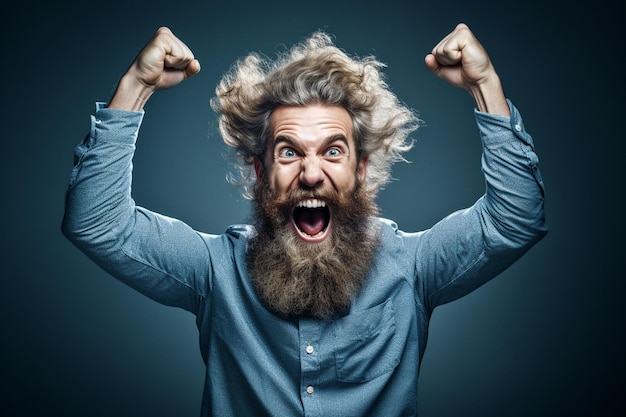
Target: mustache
x=296, y=195
x=281, y=206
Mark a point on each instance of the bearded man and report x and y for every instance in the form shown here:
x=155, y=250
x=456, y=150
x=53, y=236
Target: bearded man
x=320, y=307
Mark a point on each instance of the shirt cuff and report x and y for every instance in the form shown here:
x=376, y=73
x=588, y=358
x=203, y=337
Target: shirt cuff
x=114, y=125
x=496, y=128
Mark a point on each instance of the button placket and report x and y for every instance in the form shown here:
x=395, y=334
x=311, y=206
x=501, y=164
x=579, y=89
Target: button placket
x=309, y=366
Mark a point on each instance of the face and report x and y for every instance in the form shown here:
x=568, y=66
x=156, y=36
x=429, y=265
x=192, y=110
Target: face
x=310, y=212
x=311, y=149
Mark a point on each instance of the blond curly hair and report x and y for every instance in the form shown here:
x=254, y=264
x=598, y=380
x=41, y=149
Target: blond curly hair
x=314, y=71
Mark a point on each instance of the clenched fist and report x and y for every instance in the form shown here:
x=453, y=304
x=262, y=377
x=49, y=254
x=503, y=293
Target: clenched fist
x=461, y=60
x=164, y=62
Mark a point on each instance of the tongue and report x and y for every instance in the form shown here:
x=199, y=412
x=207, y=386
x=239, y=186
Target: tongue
x=311, y=221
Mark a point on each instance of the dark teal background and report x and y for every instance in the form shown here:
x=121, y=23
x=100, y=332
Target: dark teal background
x=546, y=338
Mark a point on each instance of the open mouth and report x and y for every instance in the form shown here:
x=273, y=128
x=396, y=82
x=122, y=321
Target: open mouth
x=311, y=218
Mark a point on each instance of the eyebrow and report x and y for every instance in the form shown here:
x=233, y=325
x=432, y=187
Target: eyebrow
x=331, y=139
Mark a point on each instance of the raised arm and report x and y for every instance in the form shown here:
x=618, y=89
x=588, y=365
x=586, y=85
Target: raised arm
x=161, y=257
x=471, y=246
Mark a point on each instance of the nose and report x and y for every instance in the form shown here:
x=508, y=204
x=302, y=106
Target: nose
x=312, y=174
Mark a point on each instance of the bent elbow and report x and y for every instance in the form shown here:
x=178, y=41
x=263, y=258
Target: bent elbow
x=92, y=235
x=72, y=232
x=525, y=233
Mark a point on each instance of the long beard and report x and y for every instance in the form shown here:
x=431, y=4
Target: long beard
x=296, y=278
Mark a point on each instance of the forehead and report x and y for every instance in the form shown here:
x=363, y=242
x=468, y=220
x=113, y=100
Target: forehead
x=311, y=123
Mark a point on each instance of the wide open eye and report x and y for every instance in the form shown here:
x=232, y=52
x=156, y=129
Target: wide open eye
x=333, y=152
x=287, y=153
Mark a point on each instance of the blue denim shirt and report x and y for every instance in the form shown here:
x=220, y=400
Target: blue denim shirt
x=365, y=363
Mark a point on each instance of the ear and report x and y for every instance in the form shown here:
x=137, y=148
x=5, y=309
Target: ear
x=361, y=168
x=258, y=167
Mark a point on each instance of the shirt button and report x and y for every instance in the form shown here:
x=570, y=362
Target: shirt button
x=310, y=349
x=310, y=390
x=518, y=127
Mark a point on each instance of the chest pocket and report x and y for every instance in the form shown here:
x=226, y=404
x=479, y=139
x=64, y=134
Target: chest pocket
x=366, y=345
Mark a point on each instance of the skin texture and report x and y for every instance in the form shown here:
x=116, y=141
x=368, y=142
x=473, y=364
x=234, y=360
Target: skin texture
x=311, y=148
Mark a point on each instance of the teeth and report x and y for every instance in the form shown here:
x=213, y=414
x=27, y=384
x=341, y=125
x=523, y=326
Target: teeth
x=312, y=203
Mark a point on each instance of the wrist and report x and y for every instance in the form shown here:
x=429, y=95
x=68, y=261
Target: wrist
x=489, y=97
x=130, y=94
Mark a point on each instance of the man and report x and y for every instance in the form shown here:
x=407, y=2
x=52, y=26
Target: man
x=320, y=308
